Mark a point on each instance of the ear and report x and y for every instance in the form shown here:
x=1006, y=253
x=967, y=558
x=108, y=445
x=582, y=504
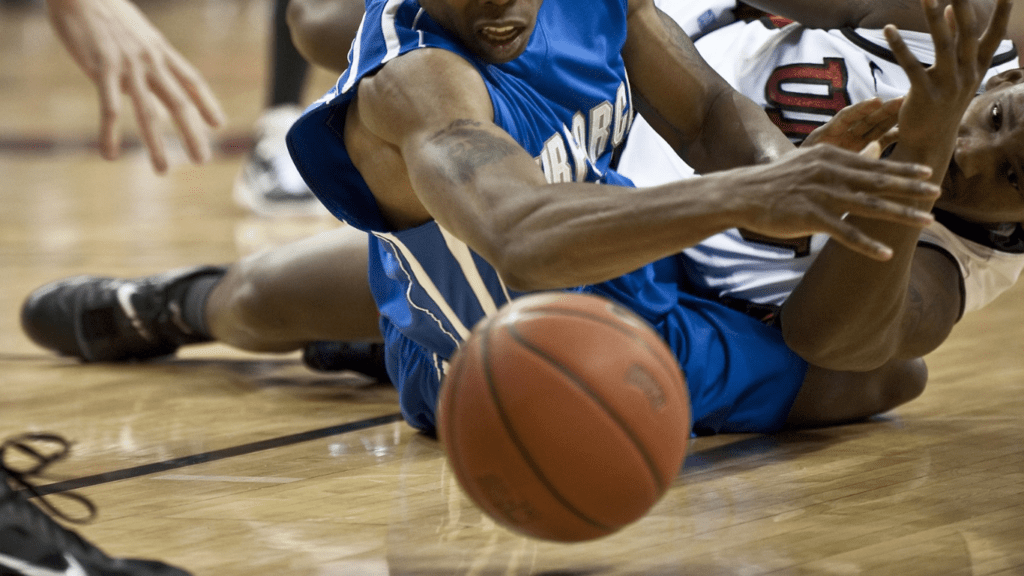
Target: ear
x=1009, y=77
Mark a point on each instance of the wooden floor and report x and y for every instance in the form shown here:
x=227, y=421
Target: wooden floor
x=228, y=464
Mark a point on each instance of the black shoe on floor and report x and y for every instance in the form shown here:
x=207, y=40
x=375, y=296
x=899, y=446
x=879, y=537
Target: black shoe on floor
x=32, y=543
x=333, y=356
x=112, y=319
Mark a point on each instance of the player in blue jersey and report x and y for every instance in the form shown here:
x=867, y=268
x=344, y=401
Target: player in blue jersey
x=406, y=235
x=462, y=136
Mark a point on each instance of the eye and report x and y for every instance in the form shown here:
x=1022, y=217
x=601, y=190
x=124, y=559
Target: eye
x=997, y=116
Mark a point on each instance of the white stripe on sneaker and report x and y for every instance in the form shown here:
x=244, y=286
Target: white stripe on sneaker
x=124, y=298
x=26, y=569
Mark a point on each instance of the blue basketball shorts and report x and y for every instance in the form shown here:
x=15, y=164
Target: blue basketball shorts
x=740, y=374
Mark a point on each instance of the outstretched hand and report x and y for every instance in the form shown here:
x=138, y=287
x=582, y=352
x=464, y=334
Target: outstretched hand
x=122, y=52
x=858, y=125
x=811, y=190
x=940, y=93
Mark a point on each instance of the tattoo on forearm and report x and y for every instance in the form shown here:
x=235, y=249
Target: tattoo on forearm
x=470, y=147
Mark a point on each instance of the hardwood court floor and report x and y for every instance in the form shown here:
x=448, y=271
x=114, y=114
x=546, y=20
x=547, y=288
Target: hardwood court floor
x=228, y=463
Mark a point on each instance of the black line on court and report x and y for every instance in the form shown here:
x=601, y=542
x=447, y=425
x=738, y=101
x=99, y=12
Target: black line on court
x=185, y=461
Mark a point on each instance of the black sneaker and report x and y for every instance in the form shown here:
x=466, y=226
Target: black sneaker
x=111, y=319
x=32, y=543
x=363, y=357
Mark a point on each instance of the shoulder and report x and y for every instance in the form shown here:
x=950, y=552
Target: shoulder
x=419, y=89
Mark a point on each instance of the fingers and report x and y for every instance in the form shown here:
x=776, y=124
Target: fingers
x=867, y=206
x=873, y=150
x=941, y=27
x=904, y=57
x=994, y=32
x=198, y=90
x=889, y=138
x=187, y=119
x=851, y=237
x=146, y=116
x=880, y=121
x=965, y=27
x=893, y=179
x=878, y=208
x=110, y=113
x=855, y=115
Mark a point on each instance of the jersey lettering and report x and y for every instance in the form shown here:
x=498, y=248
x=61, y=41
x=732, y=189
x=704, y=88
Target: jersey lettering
x=784, y=98
x=600, y=128
x=621, y=118
x=555, y=161
x=577, y=147
x=569, y=155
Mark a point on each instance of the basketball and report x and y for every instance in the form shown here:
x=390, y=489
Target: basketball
x=564, y=416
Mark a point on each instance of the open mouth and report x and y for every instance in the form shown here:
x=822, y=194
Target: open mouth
x=500, y=35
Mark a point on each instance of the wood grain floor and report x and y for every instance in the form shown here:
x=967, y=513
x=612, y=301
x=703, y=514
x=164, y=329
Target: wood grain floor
x=227, y=463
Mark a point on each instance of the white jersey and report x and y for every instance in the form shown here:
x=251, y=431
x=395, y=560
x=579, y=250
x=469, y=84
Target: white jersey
x=802, y=77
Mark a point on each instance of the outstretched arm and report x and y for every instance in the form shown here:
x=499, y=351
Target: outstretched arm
x=421, y=132
x=851, y=313
x=122, y=52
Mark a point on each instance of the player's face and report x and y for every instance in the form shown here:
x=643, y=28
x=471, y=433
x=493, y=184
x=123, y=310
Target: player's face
x=985, y=181
x=496, y=30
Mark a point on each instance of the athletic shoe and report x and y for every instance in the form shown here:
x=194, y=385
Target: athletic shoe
x=34, y=544
x=110, y=319
x=268, y=183
x=330, y=356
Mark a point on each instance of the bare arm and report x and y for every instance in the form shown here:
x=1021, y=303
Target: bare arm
x=469, y=175
x=707, y=122
x=851, y=313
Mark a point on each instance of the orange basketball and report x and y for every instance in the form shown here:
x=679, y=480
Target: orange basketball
x=564, y=416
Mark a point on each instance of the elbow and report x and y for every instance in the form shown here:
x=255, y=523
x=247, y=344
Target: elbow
x=522, y=273
x=526, y=265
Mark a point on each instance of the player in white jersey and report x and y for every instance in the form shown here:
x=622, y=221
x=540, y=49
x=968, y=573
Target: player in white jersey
x=265, y=286
x=803, y=76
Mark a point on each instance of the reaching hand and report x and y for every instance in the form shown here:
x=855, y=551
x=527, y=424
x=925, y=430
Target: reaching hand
x=939, y=94
x=121, y=51
x=811, y=190
x=858, y=125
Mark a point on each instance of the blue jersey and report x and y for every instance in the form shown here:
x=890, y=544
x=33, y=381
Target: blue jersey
x=569, y=125
x=566, y=100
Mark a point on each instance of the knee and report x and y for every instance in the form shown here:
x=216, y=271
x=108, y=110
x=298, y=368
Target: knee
x=907, y=383
x=247, y=312
x=323, y=30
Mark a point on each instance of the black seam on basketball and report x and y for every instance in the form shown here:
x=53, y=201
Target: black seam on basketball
x=582, y=385
x=485, y=344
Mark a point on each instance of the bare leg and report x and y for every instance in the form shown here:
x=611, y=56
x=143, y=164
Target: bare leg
x=322, y=30
x=281, y=299
x=829, y=397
